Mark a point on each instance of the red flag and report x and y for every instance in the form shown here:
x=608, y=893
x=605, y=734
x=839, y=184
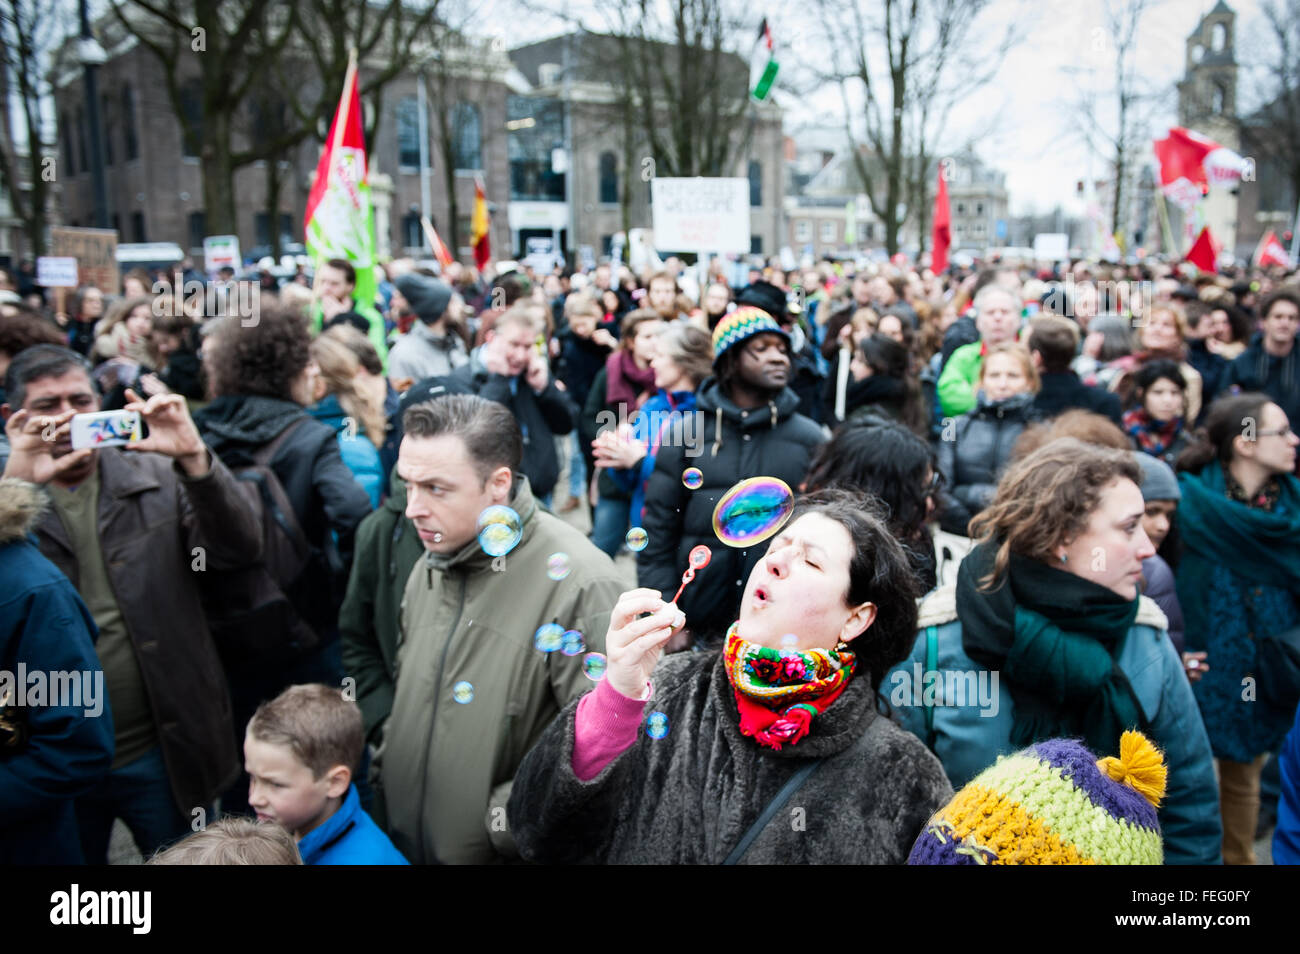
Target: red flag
x=942, y=234
x=346, y=136
x=1204, y=254
x=479, y=230
x=1271, y=252
x=1190, y=163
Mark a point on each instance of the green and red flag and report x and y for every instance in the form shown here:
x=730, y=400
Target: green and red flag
x=340, y=221
x=762, y=64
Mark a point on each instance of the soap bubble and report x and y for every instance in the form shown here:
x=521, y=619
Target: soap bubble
x=752, y=510
x=637, y=539
x=594, y=665
x=692, y=479
x=572, y=643
x=499, y=530
x=789, y=641
x=656, y=725
x=463, y=692
x=549, y=637
x=557, y=566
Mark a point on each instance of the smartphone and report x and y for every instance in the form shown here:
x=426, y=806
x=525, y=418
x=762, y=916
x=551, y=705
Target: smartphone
x=105, y=429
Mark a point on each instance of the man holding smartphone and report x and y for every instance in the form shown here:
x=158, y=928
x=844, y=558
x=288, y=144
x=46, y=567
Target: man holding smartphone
x=133, y=528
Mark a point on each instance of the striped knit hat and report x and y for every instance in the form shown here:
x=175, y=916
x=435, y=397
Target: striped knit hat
x=743, y=323
x=1054, y=804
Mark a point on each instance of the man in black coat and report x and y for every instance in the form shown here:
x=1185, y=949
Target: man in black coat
x=746, y=425
x=1053, y=342
x=1270, y=362
x=510, y=370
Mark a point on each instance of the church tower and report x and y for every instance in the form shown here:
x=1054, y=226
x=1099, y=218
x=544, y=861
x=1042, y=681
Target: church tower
x=1207, y=104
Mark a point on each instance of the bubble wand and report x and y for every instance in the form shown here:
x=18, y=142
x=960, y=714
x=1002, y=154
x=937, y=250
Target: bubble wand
x=699, y=558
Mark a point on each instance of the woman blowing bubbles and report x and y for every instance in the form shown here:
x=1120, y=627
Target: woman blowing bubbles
x=790, y=700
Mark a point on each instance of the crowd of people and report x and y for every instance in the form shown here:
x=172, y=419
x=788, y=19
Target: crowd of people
x=418, y=580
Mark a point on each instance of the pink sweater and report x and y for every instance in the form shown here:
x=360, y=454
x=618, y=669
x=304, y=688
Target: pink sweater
x=605, y=727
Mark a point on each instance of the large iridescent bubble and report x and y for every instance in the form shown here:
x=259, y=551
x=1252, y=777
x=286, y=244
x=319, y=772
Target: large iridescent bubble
x=499, y=530
x=752, y=510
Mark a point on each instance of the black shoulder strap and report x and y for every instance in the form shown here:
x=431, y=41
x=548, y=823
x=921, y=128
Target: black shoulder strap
x=262, y=456
x=775, y=805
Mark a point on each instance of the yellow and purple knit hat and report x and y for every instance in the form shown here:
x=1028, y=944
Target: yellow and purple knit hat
x=1054, y=803
x=743, y=323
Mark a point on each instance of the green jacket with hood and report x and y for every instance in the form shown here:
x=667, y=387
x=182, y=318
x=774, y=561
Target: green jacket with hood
x=386, y=547
x=472, y=693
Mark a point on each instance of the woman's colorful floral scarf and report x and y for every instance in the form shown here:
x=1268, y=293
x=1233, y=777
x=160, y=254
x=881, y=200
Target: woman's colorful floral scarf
x=1153, y=437
x=778, y=691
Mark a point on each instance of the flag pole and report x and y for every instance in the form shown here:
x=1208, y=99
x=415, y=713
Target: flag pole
x=1166, y=231
x=1295, y=234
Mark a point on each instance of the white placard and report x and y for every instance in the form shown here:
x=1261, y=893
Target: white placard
x=700, y=214
x=56, y=271
x=220, y=251
x=1052, y=247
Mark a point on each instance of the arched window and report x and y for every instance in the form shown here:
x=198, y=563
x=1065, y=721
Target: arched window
x=467, y=137
x=1220, y=98
x=67, y=133
x=81, y=140
x=192, y=128
x=408, y=132
x=1218, y=37
x=755, y=184
x=107, y=124
x=132, y=149
x=608, y=178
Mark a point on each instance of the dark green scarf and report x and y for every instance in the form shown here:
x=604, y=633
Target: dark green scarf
x=1263, y=546
x=1054, y=637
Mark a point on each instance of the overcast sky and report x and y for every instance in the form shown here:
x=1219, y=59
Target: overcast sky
x=1036, y=139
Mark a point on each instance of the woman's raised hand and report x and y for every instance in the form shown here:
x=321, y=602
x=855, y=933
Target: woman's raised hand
x=633, y=646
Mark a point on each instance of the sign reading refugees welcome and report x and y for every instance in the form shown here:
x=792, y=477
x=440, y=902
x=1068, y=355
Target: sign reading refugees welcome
x=700, y=214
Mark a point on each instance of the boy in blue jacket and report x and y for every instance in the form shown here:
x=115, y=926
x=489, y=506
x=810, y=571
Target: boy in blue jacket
x=300, y=751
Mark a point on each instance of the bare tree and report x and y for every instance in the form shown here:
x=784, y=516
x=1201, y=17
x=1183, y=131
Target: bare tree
x=899, y=75
x=238, y=48
x=29, y=34
x=1275, y=128
x=1117, y=115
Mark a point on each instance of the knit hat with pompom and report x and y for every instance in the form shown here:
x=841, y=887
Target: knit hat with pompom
x=1054, y=803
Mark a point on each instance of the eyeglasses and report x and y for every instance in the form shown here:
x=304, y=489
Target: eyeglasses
x=1276, y=432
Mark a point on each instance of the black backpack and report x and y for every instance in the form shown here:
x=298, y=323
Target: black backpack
x=251, y=618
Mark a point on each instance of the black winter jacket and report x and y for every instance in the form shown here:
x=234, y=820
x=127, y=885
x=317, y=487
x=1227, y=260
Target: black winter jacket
x=1257, y=370
x=326, y=498
x=1062, y=391
x=979, y=449
x=727, y=444
x=540, y=417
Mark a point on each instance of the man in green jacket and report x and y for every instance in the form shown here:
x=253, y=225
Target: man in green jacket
x=472, y=690
x=998, y=320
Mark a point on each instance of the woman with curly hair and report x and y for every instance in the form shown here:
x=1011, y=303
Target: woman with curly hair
x=262, y=377
x=1044, y=635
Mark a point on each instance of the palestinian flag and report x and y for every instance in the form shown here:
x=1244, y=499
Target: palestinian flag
x=762, y=64
x=478, y=227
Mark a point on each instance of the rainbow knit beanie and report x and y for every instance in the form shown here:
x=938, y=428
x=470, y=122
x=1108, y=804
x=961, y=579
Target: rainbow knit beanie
x=1054, y=803
x=745, y=322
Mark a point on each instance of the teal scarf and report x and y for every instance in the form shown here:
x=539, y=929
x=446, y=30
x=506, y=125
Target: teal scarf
x=1258, y=545
x=1054, y=636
